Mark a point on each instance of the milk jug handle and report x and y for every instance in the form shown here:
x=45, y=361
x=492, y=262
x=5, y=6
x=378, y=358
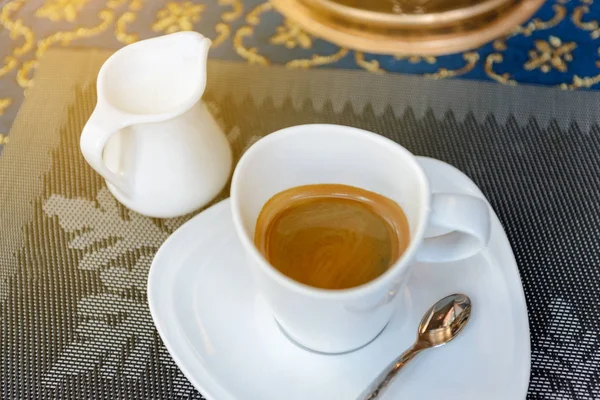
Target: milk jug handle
x=94, y=136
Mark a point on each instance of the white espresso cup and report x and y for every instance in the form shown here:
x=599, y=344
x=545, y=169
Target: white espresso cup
x=443, y=227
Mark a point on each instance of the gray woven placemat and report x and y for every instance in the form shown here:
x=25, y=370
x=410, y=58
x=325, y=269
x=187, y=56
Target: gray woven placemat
x=74, y=320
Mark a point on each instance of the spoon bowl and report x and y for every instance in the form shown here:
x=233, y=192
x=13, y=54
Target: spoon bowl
x=444, y=320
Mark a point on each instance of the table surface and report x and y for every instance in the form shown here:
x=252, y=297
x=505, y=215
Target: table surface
x=539, y=165
x=558, y=47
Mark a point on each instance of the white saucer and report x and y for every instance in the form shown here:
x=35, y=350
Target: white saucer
x=221, y=334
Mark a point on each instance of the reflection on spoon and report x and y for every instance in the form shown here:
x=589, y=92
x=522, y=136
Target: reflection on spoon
x=440, y=324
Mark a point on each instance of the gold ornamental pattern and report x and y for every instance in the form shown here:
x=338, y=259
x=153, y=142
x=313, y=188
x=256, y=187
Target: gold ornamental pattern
x=253, y=31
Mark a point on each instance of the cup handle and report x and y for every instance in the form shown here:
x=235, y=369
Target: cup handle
x=94, y=136
x=463, y=226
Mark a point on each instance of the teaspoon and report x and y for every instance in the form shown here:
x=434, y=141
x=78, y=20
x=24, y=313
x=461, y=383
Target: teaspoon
x=440, y=324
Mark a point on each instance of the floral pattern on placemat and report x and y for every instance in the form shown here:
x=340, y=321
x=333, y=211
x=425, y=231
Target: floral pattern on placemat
x=75, y=320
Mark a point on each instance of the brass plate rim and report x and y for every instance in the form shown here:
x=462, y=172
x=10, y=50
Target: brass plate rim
x=359, y=16
x=429, y=44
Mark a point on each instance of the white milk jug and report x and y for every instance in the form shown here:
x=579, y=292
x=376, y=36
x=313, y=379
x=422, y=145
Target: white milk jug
x=150, y=136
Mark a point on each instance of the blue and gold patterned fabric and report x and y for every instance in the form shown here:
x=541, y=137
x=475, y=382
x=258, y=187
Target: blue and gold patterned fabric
x=558, y=47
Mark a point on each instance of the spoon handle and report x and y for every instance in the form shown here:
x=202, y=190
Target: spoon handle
x=380, y=384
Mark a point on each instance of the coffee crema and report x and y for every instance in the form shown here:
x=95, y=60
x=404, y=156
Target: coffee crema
x=331, y=236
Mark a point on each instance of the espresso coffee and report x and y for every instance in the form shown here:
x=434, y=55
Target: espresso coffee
x=331, y=236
